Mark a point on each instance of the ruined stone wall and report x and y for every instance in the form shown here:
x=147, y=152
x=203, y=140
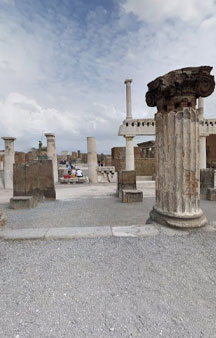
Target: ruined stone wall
x=211, y=151
x=108, y=160
x=143, y=166
x=20, y=157
x=34, y=178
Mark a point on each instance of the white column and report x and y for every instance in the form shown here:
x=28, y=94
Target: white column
x=129, y=160
x=202, y=152
x=202, y=138
x=128, y=99
x=9, y=159
x=52, y=155
x=92, y=160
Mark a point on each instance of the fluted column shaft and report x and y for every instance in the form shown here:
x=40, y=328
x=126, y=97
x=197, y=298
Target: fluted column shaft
x=177, y=163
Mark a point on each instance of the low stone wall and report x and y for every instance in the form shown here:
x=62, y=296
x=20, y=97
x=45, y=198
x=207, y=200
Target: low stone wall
x=34, y=179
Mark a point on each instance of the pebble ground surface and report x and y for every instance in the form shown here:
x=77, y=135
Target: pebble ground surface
x=116, y=287
x=161, y=285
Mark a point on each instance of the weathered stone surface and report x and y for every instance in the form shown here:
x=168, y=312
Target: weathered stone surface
x=180, y=88
x=131, y=196
x=52, y=154
x=177, y=145
x=2, y=219
x=9, y=158
x=34, y=179
x=92, y=160
x=211, y=194
x=23, y=202
x=207, y=180
x=126, y=180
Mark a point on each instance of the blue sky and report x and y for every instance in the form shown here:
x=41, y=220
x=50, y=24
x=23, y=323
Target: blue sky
x=63, y=63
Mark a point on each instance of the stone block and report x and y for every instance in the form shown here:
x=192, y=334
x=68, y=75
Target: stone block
x=211, y=194
x=23, y=202
x=126, y=180
x=2, y=219
x=207, y=178
x=34, y=178
x=81, y=179
x=131, y=196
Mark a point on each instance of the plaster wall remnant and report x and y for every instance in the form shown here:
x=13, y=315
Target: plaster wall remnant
x=9, y=159
x=92, y=160
x=52, y=154
x=177, y=145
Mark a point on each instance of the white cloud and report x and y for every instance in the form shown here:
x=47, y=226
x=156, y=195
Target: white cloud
x=8, y=2
x=25, y=119
x=159, y=10
x=66, y=76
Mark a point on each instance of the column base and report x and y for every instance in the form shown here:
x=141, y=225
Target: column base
x=196, y=221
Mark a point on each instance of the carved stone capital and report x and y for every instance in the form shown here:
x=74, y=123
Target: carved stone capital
x=180, y=88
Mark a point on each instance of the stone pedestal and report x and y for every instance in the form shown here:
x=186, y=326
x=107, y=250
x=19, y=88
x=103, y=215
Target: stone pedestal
x=129, y=156
x=52, y=155
x=207, y=180
x=35, y=179
x=132, y=196
x=177, y=145
x=211, y=194
x=92, y=160
x=126, y=180
x=23, y=202
x=9, y=159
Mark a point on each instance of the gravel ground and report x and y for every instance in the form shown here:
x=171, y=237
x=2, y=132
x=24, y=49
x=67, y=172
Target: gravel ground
x=87, y=211
x=118, y=287
x=80, y=212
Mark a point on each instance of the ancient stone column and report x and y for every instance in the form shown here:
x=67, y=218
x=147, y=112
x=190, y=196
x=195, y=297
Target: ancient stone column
x=9, y=159
x=92, y=160
x=129, y=156
x=128, y=99
x=52, y=155
x=202, y=138
x=177, y=145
